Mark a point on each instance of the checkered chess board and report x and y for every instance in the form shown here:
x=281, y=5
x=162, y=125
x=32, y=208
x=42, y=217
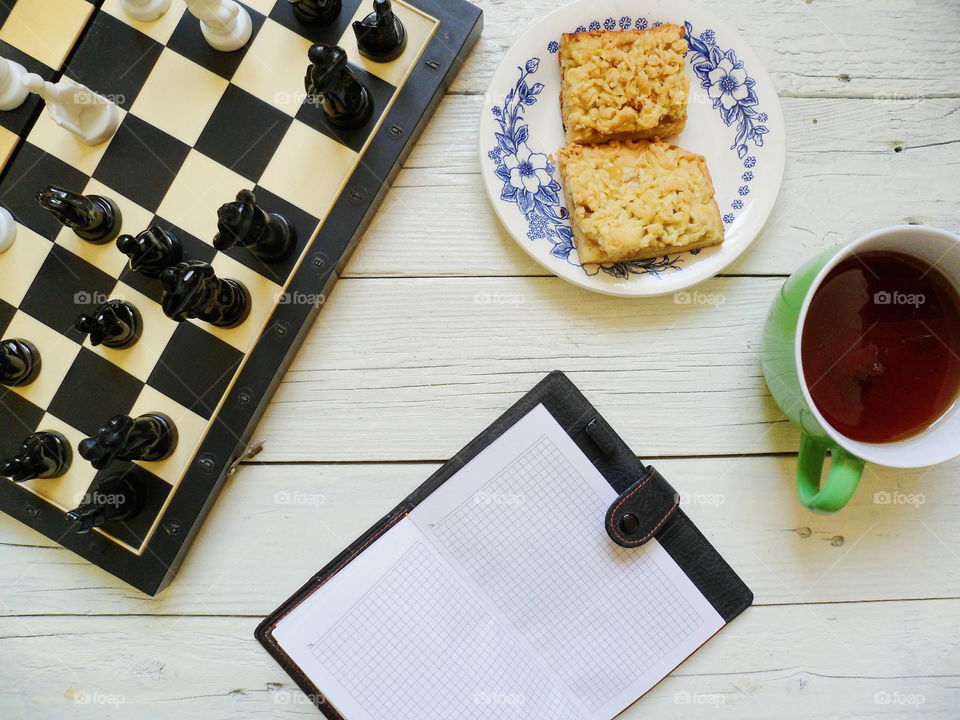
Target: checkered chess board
x=197, y=126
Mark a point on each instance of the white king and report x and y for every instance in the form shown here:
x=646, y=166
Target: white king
x=226, y=26
x=92, y=118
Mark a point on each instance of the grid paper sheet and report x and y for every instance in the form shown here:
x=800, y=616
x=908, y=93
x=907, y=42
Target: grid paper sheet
x=417, y=644
x=610, y=621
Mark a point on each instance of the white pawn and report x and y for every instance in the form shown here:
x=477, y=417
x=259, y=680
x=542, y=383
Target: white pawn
x=145, y=10
x=8, y=229
x=92, y=118
x=226, y=26
x=12, y=91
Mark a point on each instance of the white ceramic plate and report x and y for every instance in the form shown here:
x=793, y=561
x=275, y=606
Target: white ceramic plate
x=734, y=121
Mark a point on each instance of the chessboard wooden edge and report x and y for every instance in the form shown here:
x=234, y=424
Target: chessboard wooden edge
x=328, y=252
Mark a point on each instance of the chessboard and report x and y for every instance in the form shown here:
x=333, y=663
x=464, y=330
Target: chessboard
x=197, y=126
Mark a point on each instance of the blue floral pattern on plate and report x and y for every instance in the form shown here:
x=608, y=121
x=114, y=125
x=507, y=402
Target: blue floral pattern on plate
x=529, y=177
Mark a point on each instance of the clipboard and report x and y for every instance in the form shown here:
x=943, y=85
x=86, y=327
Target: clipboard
x=646, y=507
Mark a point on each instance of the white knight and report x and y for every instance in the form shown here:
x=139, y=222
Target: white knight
x=92, y=118
x=225, y=24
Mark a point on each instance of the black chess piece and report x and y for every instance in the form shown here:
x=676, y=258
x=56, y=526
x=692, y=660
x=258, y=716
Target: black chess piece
x=329, y=81
x=380, y=35
x=150, y=438
x=115, y=324
x=192, y=289
x=317, y=12
x=152, y=251
x=267, y=235
x=93, y=218
x=42, y=455
x=112, y=499
x=19, y=362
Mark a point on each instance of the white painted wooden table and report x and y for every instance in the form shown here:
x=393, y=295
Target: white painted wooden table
x=857, y=614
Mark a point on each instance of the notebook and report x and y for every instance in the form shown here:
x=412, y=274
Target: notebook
x=498, y=593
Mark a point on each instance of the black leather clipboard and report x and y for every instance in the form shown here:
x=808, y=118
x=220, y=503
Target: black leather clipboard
x=646, y=507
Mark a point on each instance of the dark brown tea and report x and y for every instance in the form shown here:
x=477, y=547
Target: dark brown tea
x=881, y=347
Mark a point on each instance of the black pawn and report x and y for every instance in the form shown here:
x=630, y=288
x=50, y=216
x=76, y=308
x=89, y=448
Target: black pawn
x=192, y=289
x=116, y=324
x=150, y=438
x=93, y=218
x=345, y=100
x=19, y=362
x=266, y=235
x=152, y=251
x=317, y=12
x=112, y=499
x=42, y=455
x=380, y=35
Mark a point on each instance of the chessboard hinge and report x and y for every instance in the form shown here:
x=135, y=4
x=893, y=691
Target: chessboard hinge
x=251, y=452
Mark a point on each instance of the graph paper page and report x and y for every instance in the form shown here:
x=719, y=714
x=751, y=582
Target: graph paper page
x=397, y=635
x=523, y=523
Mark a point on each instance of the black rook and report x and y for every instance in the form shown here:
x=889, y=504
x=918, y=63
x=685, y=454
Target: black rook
x=380, y=35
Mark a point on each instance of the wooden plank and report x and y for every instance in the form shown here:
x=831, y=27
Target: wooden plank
x=835, y=48
x=410, y=369
x=821, y=661
x=275, y=525
x=853, y=166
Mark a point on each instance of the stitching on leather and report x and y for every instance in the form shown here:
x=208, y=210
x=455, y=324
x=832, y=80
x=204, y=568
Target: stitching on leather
x=615, y=509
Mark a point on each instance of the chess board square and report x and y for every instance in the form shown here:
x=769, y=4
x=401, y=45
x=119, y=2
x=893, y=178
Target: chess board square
x=57, y=354
x=18, y=120
x=20, y=264
x=134, y=219
x=46, y=29
x=93, y=391
x=141, y=162
x=66, y=491
x=274, y=67
x=152, y=493
x=193, y=249
x=282, y=13
x=245, y=122
x=179, y=96
x=381, y=92
x=191, y=429
x=59, y=143
x=420, y=28
x=30, y=171
x=8, y=142
x=188, y=40
x=111, y=44
x=292, y=173
x=160, y=29
x=139, y=359
x=198, y=191
x=66, y=286
x=304, y=226
x=196, y=369
x=18, y=418
x=264, y=295
x=7, y=312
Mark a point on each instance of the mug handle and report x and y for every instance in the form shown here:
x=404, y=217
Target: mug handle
x=841, y=481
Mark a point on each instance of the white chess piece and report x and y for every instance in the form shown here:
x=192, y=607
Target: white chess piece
x=8, y=229
x=92, y=118
x=145, y=10
x=12, y=91
x=225, y=24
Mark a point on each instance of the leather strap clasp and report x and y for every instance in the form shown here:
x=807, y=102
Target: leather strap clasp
x=642, y=510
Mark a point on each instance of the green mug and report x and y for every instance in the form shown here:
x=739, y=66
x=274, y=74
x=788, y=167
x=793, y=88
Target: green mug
x=783, y=371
